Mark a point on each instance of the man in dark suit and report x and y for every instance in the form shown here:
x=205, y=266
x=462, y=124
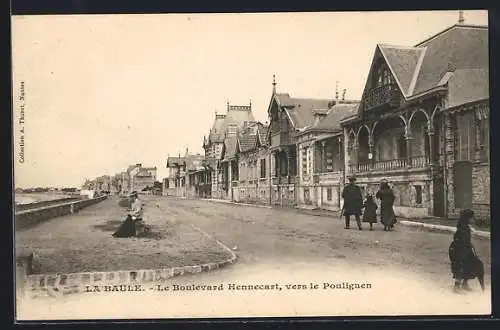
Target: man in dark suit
x=353, y=202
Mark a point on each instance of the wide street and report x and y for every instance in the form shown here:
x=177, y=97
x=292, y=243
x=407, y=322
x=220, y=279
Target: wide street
x=408, y=269
x=281, y=236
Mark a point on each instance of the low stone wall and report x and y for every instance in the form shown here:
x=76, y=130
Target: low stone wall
x=35, y=205
x=28, y=218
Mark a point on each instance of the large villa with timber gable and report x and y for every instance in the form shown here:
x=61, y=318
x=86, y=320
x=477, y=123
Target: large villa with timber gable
x=422, y=124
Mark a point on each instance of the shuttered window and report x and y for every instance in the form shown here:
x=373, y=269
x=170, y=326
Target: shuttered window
x=262, y=168
x=465, y=136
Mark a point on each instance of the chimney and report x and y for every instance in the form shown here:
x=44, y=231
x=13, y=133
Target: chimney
x=461, y=19
x=337, y=90
x=343, y=94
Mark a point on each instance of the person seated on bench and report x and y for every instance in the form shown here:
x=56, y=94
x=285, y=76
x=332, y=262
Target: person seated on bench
x=133, y=224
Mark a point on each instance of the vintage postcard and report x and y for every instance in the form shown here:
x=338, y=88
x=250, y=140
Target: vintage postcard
x=251, y=165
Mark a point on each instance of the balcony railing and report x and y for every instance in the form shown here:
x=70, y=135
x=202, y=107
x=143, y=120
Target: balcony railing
x=390, y=165
x=283, y=180
x=382, y=95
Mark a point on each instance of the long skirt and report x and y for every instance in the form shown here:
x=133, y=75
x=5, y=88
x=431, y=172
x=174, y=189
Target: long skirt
x=387, y=215
x=126, y=229
x=465, y=263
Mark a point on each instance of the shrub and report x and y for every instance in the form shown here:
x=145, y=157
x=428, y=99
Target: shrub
x=482, y=222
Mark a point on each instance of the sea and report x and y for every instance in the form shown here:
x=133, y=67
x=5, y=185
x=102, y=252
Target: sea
x=24, y=198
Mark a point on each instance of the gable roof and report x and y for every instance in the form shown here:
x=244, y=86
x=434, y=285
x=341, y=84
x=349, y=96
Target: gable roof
x=194, y=162
x=247, y=142
x=331, y=122
x=300, y=110
x=236, y=115
x=460, y=46
x=251, y=136
x=403, y=62
x=262, y=133
x=217, y=131
x=468, y=85
x=432, y=64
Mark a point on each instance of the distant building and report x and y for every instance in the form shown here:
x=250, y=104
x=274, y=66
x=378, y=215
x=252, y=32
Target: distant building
x=321, y=175
x=251, y=173
x=176, y=176
x=141, y=178
x=220, y=146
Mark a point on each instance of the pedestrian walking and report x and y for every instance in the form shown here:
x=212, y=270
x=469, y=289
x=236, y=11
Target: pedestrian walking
x=465, y=264
x=386, y=197
x=370, y=210
x=353, y=202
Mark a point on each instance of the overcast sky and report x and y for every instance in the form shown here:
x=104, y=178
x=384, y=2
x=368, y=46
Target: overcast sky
x=106, y=91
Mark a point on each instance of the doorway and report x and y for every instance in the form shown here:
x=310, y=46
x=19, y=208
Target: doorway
x=462, y=178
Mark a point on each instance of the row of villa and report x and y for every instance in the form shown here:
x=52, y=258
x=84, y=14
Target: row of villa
x=134, y=178
x=421, y=123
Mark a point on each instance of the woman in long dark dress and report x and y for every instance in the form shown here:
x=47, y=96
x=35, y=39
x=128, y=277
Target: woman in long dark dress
x=386, y=196
x=370, y=210
x=465, y=264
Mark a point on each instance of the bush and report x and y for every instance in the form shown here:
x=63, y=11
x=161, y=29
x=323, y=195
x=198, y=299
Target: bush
x=482, y=222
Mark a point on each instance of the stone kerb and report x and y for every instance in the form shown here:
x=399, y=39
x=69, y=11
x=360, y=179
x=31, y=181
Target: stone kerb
x=62, y=284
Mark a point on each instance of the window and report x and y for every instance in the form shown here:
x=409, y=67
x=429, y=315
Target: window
x=383, y=76
x=465, y=136
x=329, y=157
x=484, y=136
x=418, y=194
x=329, y=194
x=304, y=161
x=307, y=196
x=262, y=168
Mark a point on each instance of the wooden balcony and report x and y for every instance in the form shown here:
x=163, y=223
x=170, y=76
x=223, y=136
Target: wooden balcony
x=390, y=165
x=280, y=139
x=386, y=95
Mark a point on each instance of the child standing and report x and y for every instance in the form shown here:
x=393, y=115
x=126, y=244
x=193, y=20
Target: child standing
x=370, y=212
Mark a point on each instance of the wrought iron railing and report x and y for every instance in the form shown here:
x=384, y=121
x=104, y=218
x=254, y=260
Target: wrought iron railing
x=382, y=95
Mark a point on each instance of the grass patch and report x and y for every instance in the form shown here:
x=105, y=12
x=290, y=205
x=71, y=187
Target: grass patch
x=84, y=243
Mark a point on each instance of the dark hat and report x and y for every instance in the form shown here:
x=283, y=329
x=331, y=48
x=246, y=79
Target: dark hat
x=351, y=178
x=466, y=214
x=133, y=193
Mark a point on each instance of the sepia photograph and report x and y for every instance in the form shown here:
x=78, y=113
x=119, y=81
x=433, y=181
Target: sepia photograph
x=251, y=165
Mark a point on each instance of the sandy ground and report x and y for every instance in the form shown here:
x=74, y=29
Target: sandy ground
x=405, y=272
